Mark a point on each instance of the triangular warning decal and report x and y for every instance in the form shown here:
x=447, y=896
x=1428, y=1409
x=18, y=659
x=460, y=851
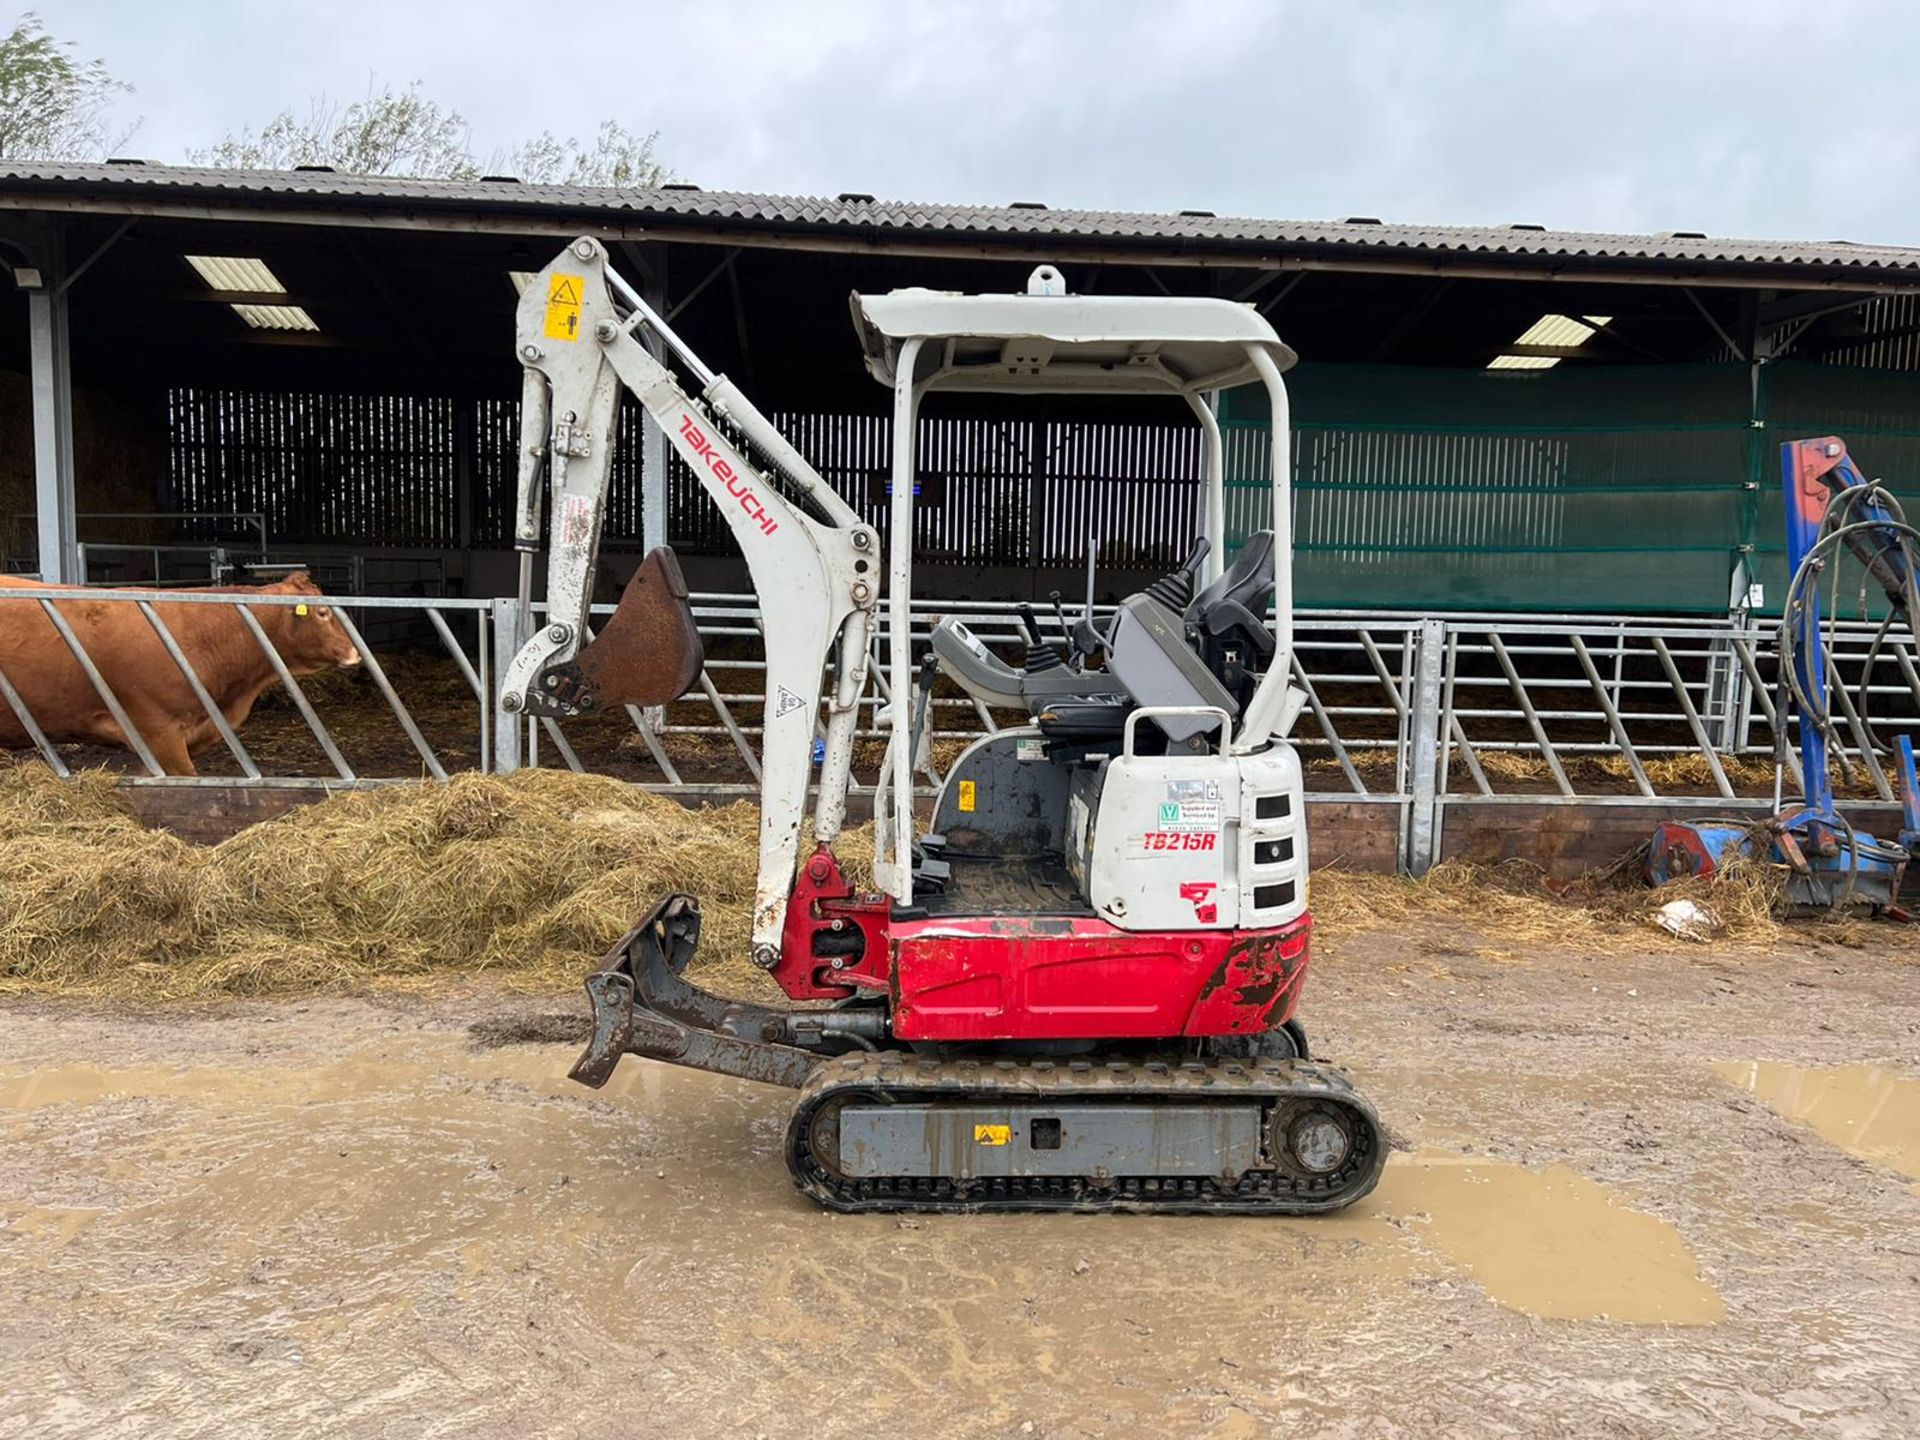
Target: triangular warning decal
x=786, y=702
x=565, y=290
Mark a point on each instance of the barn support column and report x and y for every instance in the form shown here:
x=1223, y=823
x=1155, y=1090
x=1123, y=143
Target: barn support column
x=50, y=363
x=1729, y=699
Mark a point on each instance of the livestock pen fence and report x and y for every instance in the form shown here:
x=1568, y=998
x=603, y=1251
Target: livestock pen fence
x=1426, y=716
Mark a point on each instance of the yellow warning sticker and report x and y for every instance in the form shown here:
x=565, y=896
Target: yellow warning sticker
x=993, y=1134
x=968, y=794
x=563, y=306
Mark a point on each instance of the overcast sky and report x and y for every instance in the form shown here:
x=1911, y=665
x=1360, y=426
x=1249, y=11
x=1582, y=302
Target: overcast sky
x=1743, y=117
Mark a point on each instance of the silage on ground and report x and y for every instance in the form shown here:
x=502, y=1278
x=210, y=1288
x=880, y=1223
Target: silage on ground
x=531, y=877
x=1516, y=905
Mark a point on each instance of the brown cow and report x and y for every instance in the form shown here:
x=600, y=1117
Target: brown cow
x=143, y=677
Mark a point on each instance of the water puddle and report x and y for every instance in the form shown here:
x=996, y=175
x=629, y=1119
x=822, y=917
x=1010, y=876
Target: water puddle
x=94, y=1084
x=1550, y=1243
x=1869, y=1111
x=405, y=1159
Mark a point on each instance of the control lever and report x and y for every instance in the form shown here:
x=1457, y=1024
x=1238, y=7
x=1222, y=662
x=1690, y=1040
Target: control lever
x=1087, y=640
x=1074, y=659
x=1040, y=655
x=923, y=706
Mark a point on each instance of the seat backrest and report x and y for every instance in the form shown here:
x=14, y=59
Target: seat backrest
x=1149, y=654
x=1239, y=596
x=980, y=672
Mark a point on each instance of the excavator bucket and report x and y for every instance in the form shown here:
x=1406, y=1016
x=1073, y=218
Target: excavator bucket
x=648, y=652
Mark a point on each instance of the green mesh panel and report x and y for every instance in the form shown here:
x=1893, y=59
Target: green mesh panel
x=1615, y=489
x=1877, y=412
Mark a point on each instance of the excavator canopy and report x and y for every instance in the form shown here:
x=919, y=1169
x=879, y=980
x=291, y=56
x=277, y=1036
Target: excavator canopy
x=1050, y=341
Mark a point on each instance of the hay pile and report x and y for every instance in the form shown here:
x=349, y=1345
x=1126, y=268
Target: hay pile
x=1514, y=906
x=531, y=878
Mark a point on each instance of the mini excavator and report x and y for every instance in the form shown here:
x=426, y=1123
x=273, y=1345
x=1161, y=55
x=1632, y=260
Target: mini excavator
x=1076, y=989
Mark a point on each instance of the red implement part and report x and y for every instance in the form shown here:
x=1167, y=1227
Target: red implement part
x=1813, y=461
x=828, y=922
x=1041, y=978
x=1678, y=850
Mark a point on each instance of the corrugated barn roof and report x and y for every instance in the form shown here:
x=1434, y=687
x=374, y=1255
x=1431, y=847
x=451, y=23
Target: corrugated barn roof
x=136, y=187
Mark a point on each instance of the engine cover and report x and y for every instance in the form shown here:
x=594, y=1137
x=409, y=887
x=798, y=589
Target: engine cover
x=1002, y=977
x=1191, y=842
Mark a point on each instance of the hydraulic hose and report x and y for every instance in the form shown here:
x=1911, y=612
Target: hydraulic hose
x=1840, y=526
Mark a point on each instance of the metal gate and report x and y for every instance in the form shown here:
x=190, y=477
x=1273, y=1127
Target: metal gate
x=1424, y=715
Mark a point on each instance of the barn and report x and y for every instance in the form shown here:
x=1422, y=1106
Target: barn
x=1494, y=418
x=1511, y=433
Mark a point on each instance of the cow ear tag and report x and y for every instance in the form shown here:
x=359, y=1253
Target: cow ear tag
x=299, y=609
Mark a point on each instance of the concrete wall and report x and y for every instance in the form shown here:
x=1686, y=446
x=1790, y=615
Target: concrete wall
x=1565, y=839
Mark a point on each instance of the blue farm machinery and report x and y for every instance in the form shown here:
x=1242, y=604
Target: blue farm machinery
x=1831, y=510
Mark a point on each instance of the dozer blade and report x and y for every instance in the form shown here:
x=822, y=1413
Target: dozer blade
x=648, y=653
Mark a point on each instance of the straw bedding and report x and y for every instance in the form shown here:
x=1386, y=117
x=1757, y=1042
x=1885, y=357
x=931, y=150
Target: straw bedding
x=530, y=878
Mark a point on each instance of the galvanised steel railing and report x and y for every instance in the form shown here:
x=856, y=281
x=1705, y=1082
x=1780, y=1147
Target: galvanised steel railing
x=1421, y=714
x=142, y=609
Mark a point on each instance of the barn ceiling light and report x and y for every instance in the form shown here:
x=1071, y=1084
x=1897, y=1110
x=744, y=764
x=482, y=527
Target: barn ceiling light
x=276, y=317
x=236, y=272
x=1562, y=330
x=244, y=275
x=1559, y=331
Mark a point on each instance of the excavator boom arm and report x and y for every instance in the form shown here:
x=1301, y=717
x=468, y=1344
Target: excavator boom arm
x=821, y=576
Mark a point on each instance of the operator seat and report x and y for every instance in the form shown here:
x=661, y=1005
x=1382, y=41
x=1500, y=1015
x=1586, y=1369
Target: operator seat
x=1077, y=706
x=1226, y=622
x=992, y=681
x=1157, y=654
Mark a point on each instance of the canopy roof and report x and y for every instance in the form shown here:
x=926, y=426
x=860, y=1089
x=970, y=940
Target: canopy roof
x=1037, y=342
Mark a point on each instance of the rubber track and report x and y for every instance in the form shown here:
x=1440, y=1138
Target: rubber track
x=908, y=1078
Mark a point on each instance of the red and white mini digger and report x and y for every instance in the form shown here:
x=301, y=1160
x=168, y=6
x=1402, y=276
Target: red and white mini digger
x=1076, y=989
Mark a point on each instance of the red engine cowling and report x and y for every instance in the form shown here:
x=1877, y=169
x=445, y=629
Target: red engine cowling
x=1040, y=978
x=1034, y=977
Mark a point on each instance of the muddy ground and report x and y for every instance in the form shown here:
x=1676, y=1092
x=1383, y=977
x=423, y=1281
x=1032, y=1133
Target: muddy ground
x=343, y=1217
